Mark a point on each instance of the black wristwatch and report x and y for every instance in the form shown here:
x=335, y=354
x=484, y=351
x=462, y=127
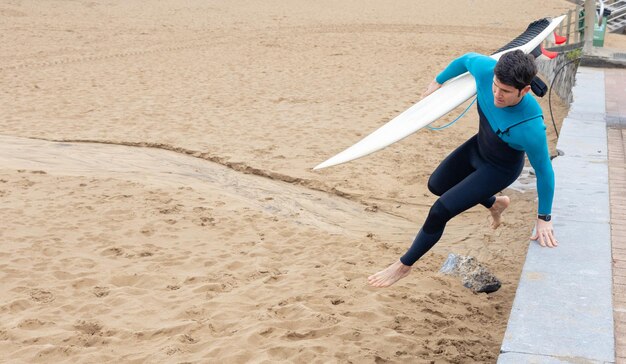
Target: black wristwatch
x=546, y=217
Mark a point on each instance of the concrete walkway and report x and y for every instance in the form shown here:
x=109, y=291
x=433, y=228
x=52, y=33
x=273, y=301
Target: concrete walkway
x=570, y=306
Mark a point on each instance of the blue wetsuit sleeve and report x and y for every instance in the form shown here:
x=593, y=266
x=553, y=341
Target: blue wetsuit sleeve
x=536, y=147
x=458, y=67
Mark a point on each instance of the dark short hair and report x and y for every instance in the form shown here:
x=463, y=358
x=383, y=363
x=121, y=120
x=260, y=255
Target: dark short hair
x=516, y=69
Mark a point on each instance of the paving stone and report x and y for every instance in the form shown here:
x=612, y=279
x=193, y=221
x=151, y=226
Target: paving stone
x=584, y=248
x=619, y=289
x=586, y=115
x=576, y=146
x=583, y=128
x=584, y=195
x=619, y=249
x=619, y=301
x=618, y=228
x=588, y=91
x=619, y=272
x=519, y=358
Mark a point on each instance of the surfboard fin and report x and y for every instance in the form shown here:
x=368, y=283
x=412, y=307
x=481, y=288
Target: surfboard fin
x=558, y=39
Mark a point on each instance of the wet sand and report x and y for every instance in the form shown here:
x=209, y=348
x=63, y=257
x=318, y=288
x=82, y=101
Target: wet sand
x=195, y=230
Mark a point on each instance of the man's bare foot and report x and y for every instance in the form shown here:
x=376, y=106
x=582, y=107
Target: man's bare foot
x=389, y=276
x=502, y=202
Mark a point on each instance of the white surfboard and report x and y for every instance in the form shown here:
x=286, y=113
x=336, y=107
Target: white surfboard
x=452, y=94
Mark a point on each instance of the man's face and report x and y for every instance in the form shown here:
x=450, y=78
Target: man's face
x=505, y=95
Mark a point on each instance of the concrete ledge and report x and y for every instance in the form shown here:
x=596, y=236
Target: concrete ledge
x=604, y=58
x=516, y=358
x=563, y=308
x=582, y=193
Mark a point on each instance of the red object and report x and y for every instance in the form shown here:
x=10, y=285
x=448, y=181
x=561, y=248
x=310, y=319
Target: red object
x=558, y=39
x=548, y=54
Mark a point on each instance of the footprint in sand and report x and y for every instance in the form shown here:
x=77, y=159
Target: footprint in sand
x=113, y=251
x=88, y=327
x=148, y=231
x=187, y=339
x=25, y=183
x=101, y=291
x=41, y=296
x=204, y=221
x=171, y=350
x=31, y=324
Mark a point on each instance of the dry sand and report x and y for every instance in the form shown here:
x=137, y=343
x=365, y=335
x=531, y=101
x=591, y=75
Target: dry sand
x=228, y=248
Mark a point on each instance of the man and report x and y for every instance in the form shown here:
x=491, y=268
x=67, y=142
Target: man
x=511, y=124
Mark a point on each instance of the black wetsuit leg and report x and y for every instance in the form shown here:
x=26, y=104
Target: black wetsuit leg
x=463, y=180
x=455, y=168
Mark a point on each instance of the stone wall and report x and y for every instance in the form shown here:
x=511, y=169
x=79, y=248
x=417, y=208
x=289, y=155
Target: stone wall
x=565, y=78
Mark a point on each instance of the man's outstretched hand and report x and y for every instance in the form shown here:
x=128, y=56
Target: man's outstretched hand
x=544, y=234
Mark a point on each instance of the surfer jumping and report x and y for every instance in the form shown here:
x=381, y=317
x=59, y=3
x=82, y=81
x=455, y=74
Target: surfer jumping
x=510, y=126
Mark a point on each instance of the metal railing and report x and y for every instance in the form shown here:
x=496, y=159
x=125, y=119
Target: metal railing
x=573, y=26
x=616, y=22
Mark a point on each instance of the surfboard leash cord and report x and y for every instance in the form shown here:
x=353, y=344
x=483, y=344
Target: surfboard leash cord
x=453, y=121
x=556, y=74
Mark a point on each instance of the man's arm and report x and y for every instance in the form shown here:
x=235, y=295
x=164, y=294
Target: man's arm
x=539, y=157
x=540, y=160
x=457, y=67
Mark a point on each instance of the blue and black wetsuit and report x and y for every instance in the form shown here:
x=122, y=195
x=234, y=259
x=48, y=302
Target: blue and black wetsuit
x=489, y=161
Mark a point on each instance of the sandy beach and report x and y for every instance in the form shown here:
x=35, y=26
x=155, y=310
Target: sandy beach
x=157, y=198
